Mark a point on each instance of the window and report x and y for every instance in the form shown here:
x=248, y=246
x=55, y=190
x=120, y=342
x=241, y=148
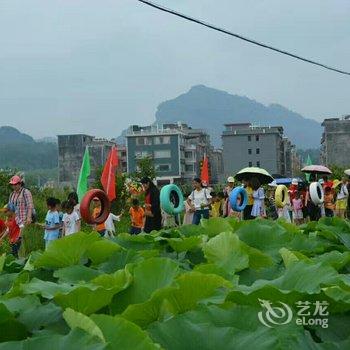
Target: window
x=257, y=137
x=258, y=164
x=249, y=151
x=249, y=138
x=162, y=140
x=163, y=167
x=189, y=168
x=189, y=155
x=250, y=164
x=142, y=154
x=258, y=151
x=164, y=153
x=141, y=141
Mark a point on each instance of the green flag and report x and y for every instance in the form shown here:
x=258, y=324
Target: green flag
x=84, y=175
x=308, y=162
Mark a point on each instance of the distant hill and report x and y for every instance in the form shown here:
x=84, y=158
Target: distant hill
x=208, y=108
x=10, y=135
x=21, y=152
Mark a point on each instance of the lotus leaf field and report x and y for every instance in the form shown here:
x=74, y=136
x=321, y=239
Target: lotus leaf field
x=220, y=285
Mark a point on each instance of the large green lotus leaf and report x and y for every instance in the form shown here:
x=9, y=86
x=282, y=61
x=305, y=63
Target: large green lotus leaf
x=46, y=289
x=6, y=282
x=101, y=251
x=117, y=281
x=122, y=334
x=149, y=275
x=191, y=230
x=216, y=270
x=75, y=340
x=189, y=289
x=66, y=251
x=335, y=229
x=16, y=288
x=78, y=320
x=249, y=276
x=338, y=293
x=10, y=328
x=257, y=259
x=20, y=304
x=300, y=277
x=185, y=244
x=289, y=257
x=225, y=251
x=334, y=258
x=135, y=242
x=207, y=331
x=337, y=330
x=264, y=235
x=85, y=299
x=40, y=316
x=76, y=274
x=119, y=259
x=214, y=226
x=306, y=278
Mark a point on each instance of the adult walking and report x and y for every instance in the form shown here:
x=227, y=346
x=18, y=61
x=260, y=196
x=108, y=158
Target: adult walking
x=313, y=209
x=227, y=190
x=152, y=206
x=199, y=200
x=21, y=199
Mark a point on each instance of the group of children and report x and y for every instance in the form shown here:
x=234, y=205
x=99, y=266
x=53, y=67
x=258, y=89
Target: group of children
x=62, y=219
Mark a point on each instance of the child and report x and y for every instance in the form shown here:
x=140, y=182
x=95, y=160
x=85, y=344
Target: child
x=109, y=223
x=258, y=209
x=52, y=222
x=100, y=228
x=297, y=204
x=271, y=211
x=60, y=210
x=11, y=229
x=329, y=204
x=71, y=220
x=215, y=206
x=188, y=217
x=137, y=216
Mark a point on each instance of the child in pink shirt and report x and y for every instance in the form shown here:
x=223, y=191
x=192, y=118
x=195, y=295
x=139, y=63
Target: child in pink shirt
x=297, y=209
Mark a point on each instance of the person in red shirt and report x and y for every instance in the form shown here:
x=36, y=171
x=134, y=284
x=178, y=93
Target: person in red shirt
x=12, y=230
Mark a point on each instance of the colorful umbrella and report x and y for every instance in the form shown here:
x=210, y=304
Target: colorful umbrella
x=316, y=169
x=247, y=173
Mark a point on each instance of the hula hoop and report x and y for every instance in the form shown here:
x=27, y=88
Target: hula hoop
x=281, y=196
x=316, y=193
x=235, y=193
x=166, y=194
x=85, y=207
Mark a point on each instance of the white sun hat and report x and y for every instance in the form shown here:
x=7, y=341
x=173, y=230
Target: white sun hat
x=230, y=179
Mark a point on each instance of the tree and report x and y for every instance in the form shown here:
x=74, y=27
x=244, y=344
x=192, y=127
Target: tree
x=145, y=167
x=337, y=171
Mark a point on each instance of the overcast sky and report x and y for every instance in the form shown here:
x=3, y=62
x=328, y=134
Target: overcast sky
x=96, y=66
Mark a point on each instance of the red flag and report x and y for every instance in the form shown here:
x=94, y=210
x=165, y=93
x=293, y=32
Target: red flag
x=108, y=174
x=205, y=171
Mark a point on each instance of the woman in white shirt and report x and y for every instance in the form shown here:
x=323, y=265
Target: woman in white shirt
x=199, y=200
